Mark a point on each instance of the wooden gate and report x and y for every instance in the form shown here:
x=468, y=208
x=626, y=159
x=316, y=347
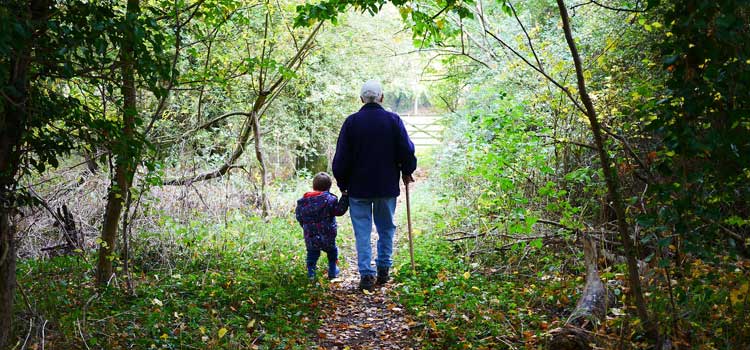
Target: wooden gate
x=425, y=130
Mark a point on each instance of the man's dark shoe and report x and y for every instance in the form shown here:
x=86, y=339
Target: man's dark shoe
x=382, y=275
x=367, y=283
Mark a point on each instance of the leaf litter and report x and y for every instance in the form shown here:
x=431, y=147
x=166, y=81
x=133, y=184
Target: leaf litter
x=355, y=319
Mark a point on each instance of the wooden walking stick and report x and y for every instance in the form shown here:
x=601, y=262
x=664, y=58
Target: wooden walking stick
x=408, y=223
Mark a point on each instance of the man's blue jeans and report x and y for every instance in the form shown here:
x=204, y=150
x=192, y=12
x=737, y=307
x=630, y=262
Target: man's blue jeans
x=362, y=212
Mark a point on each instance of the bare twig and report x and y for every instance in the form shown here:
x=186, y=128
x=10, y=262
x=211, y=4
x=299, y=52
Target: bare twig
x=543, y=73
x=28, y=334
x=80, y=332
x=611, y=8
x=59, y=220
x=439, y=12
x=204, y=176
x=44, y=326
x=25, y=298
x=214, y=121
x=173, y=70
x=516, y=238
x=41, y=182
x=125, y=241
x=569, y=142
x=630, y=151
x=528, y=38
x=199, y=193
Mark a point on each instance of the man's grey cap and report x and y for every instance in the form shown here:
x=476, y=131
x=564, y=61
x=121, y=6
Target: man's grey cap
x=371, y=89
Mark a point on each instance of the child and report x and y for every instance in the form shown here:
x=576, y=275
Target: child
x=316, y=213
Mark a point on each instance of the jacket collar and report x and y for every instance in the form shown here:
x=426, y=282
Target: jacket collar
x=371, y=105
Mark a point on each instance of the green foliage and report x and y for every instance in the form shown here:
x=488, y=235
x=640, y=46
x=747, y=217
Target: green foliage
x=517, y=157
x=38, y=113
x=427, y=28
x=703, y=121
x=74, y=49
x=716, y=293
x=694, y=194
x=462, y=300
x=216, y=287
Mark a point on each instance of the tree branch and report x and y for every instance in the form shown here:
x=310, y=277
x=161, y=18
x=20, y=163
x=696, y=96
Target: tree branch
x=630, y=151
x=612, y=8
x=186, y=181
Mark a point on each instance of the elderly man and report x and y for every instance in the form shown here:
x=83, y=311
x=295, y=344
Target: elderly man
x=373, y=149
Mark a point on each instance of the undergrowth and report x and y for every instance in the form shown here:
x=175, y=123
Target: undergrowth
x=465, y=301
x=242, y=285
x=481, y=293
x=211, y=286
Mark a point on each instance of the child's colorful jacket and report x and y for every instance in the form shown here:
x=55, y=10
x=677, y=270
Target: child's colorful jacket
x=316, y=213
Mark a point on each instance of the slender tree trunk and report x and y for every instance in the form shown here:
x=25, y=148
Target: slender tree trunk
x=116, y=194
x=261, y=161
x=7, y=276
x=12, y=123
x=125, y=152
x=612, y=180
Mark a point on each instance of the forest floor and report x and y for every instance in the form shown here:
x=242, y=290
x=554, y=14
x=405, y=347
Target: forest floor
x=356, y=319
x=242, y=284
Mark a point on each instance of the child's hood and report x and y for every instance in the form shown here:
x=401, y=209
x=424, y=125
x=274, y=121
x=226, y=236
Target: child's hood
x=312, y=194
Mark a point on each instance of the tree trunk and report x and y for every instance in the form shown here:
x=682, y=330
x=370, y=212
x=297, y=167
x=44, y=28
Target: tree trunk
x=7, y=276
x=592, y=307
x=9, y=158
x=12, y=128
x=124, y=152
x=612, y=180
x=262, y=162
x=115, y=197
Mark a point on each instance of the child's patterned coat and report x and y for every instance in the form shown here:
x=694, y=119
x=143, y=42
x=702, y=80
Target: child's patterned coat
x=316, y=212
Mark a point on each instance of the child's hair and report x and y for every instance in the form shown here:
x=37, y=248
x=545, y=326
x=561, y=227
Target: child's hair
x=322, y=182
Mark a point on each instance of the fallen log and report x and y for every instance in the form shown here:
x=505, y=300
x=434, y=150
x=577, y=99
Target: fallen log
x=589, y=311
x=570, y=338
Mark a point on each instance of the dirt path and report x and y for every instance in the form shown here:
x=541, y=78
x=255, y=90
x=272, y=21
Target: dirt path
x=352, y=319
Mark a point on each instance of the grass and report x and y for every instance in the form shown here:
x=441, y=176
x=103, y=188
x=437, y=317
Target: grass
x=195, y=286
x=465, y=302
x=468, y=295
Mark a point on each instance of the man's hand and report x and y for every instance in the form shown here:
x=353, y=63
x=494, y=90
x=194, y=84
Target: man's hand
x=407, y=179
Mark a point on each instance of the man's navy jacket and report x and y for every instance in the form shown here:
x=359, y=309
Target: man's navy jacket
x=373, y=149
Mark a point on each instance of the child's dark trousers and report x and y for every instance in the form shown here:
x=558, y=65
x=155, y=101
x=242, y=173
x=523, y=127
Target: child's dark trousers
x=312, y=261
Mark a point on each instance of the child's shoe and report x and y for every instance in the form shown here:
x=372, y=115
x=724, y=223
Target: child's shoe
x=311, y=274
x=333, y=273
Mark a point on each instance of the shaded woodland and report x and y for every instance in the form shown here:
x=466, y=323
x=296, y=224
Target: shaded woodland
x=589, y=189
